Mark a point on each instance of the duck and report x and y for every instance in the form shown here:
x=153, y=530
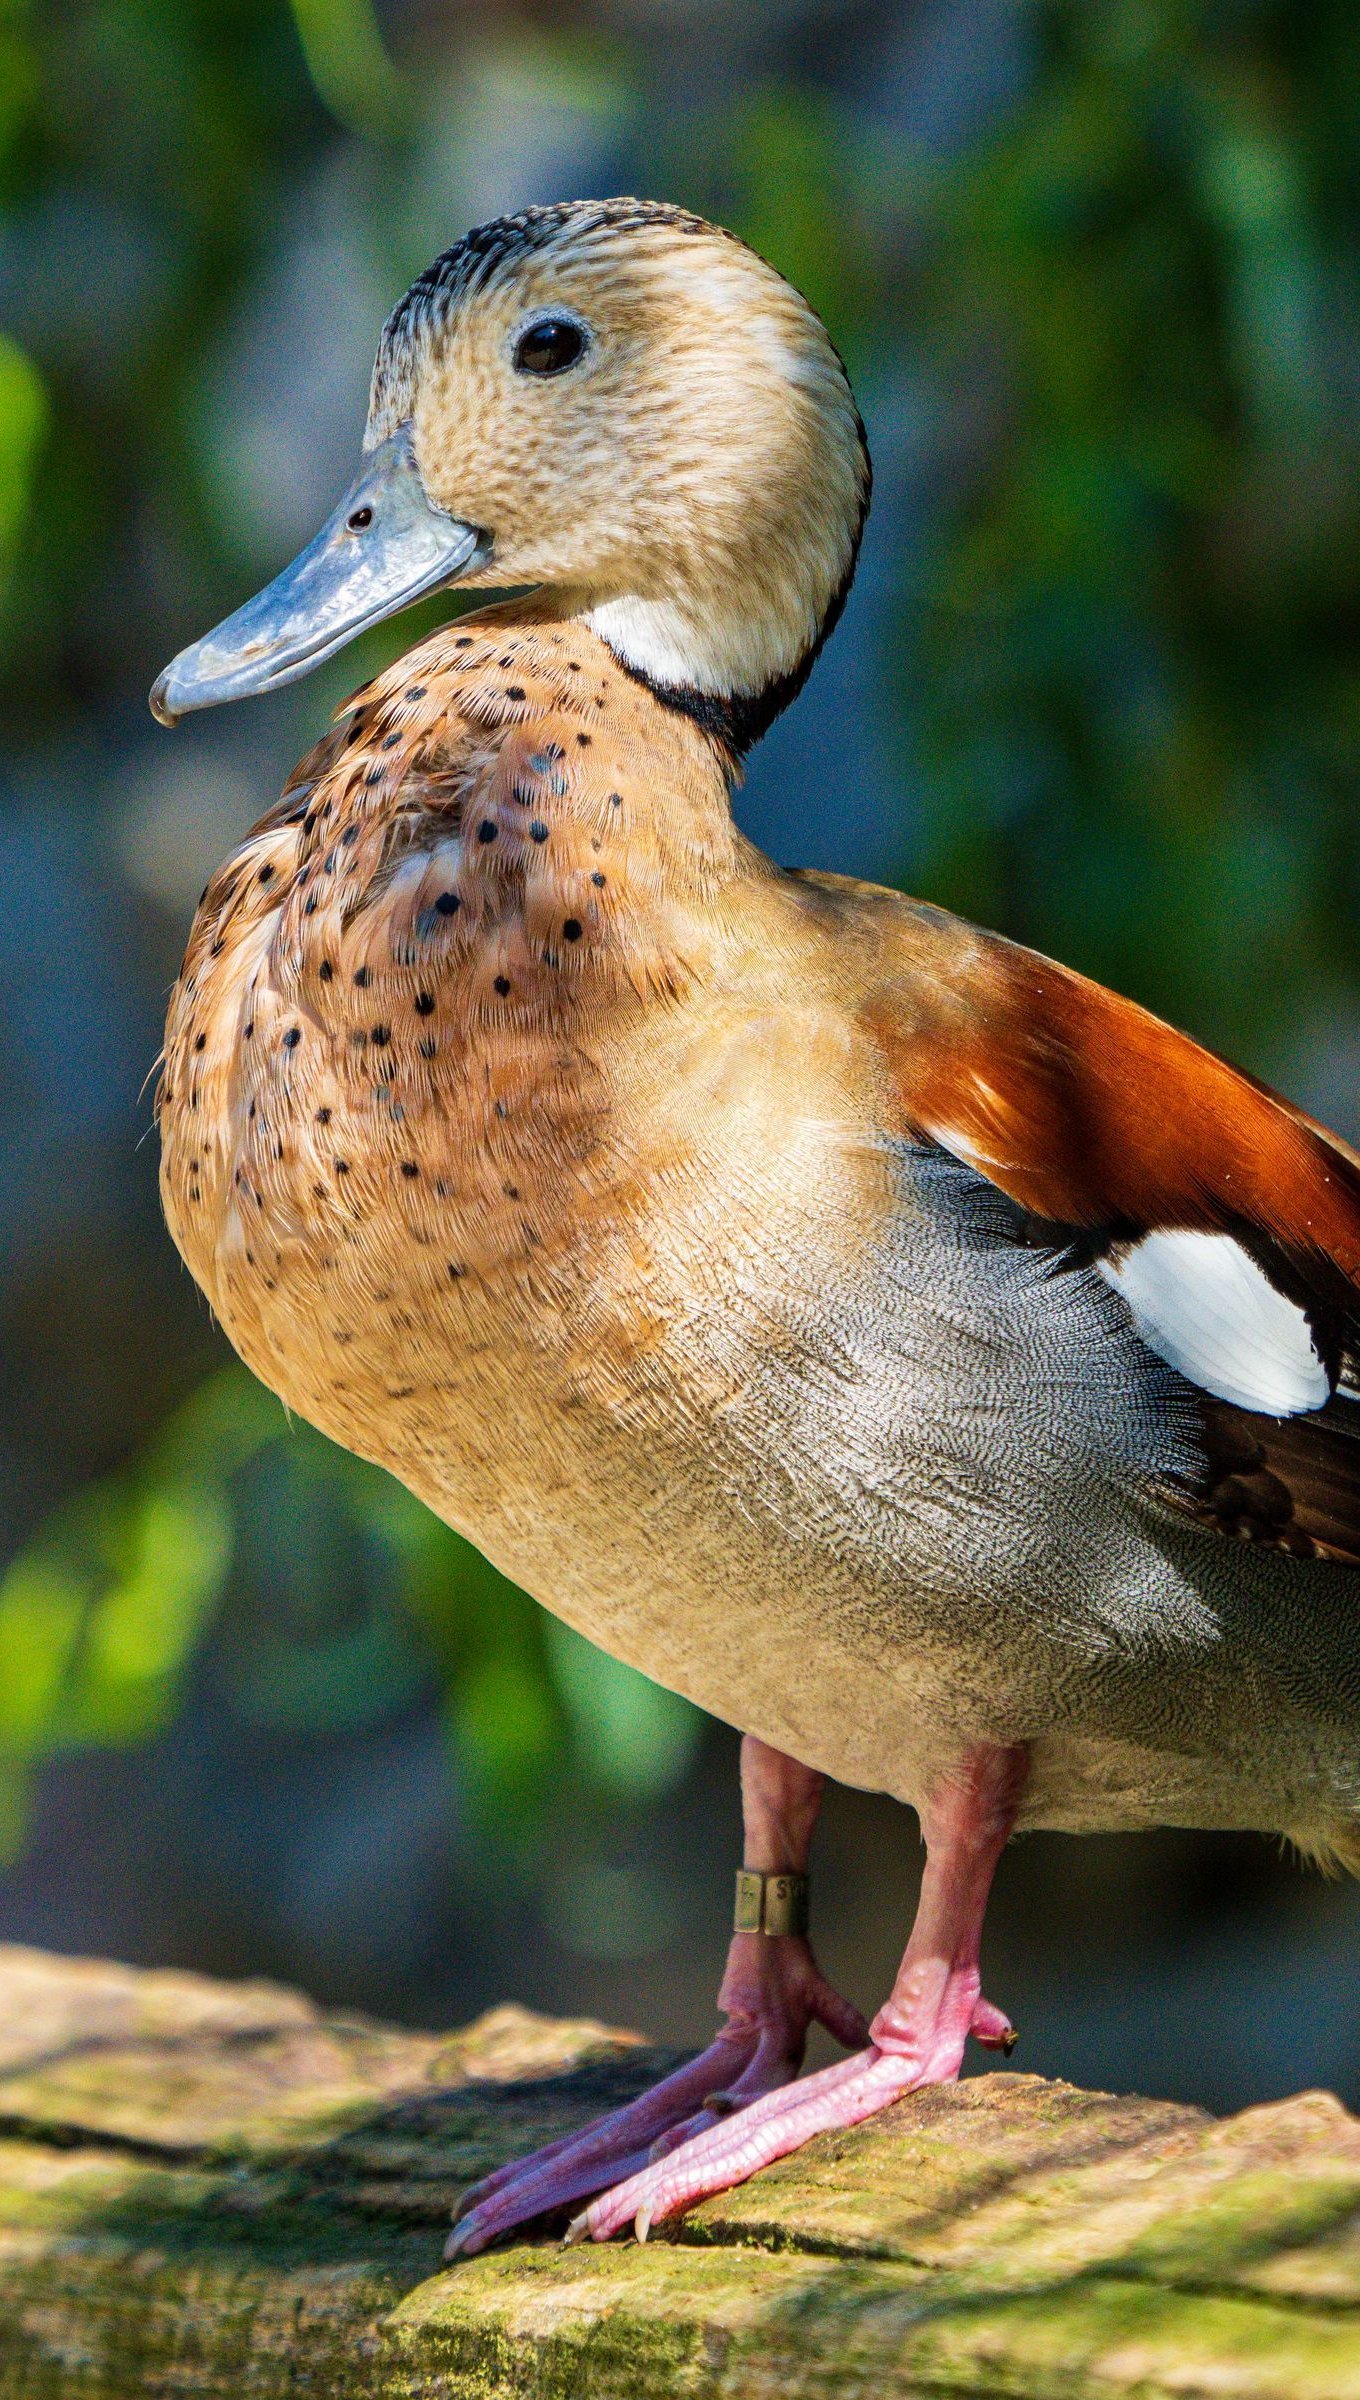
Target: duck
x=925, y=1360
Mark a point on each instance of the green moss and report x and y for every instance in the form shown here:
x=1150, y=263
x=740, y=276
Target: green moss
x=226, y=2194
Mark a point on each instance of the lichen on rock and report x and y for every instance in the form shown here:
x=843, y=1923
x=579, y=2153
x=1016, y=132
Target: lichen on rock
x=221, y=2189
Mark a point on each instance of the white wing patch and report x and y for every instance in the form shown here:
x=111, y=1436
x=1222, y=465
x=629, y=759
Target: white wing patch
x=1202, y=1303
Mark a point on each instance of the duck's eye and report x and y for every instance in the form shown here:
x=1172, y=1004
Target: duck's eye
x=548, y=346
x=359, y=519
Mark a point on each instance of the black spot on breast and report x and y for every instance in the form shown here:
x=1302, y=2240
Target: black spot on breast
x=292, y=1037
x=448, y=904
x=616, y=799
x=463, y=642
x=416, y=691
x=362, y=978
x=409, y=1169
x=390, y=740
x=583, y=741
x=455, y=1272
x=428, y=1049
x=382, y=1035
x=511, y=1190
x=342, y=1166
x=424, y=1004
x=323, y=1116
x=326, y=970
x=349, y=837
x=598, y=880
x=486, y=831
x=502, y=985
x=513, y=691
x=200, y=1041
x=571, y=931
x=266, y=874
x=538, y=831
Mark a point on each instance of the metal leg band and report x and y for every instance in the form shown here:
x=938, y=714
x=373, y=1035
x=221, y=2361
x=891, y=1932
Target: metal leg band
x=770, y=1903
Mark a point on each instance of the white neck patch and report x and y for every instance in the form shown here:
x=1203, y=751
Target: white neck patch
x=732, y=654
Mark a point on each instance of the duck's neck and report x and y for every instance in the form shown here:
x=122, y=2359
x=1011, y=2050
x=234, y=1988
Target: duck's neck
x=732, y=679
x=730, y=637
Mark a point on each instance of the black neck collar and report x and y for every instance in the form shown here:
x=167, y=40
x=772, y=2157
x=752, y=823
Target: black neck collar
x=736, y=720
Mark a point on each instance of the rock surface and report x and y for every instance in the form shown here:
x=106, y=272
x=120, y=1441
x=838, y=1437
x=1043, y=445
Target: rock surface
x=220, y=2189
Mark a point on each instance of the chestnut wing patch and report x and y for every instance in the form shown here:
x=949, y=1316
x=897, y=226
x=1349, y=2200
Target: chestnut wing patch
x=1226, y=1220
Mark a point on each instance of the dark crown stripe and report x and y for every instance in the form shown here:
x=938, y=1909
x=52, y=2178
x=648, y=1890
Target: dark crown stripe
x=472, y=262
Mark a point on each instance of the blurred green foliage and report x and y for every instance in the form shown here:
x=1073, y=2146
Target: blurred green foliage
x=1124, y=649
x=324, y=1594
x=1141, y=670
x=349, y=66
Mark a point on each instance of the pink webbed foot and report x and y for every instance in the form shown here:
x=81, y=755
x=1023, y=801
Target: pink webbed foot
x=917, y=2038
x=773, y=1991
x=905, y=2053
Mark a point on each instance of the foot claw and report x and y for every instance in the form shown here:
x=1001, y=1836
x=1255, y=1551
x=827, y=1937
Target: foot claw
x=992, y=2028
x=642, y=2224
x=577, y=2231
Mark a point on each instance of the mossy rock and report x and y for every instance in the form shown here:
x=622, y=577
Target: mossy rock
x=220, y=2189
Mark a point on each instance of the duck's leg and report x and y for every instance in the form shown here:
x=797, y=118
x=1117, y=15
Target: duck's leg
x=917, y=2037
x=771, y=1992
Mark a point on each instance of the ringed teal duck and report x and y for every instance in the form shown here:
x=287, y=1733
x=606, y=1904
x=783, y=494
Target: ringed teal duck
x=922, y=1358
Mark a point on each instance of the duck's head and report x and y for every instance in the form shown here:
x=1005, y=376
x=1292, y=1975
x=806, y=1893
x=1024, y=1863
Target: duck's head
x=614, y=402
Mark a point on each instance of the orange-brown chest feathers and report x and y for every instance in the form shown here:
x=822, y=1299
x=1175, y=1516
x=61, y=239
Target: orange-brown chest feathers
x=387, y=1111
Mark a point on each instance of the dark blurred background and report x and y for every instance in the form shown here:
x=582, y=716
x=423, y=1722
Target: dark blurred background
x=1096, y=272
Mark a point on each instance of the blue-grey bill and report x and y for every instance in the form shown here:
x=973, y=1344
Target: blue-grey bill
x=353, y=575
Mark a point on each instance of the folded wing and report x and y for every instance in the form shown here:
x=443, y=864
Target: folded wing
x=1227, y=1220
